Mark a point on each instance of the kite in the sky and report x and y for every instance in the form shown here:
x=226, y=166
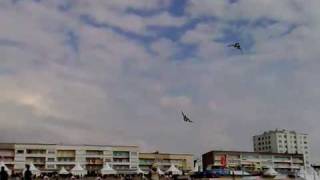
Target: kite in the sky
x=236, y=46
x=186, y=119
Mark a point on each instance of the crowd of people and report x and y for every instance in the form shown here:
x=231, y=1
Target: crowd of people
x=27, y=175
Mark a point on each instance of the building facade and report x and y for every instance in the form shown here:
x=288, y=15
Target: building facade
x=52, y=157
x=252, y=161
x=283, y=141
x=183, y=162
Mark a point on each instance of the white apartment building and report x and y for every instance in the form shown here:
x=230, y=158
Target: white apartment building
x=52, y=157
x=283, y=141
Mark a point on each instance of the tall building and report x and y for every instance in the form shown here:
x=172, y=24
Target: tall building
x=252, y=161
x=283, y=141
x=183, y=162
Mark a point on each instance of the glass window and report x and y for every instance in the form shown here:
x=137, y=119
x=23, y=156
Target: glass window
x=50, y=159
x=51, y=151
x=20, y=151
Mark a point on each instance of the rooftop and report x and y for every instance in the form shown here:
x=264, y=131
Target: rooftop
x=62, y=144
x=281, y=131
x=250, y=152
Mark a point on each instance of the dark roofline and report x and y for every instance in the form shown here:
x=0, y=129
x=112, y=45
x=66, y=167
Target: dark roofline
x=250, y=152
x=181, y=154
x=62, y=144
x=281, y=131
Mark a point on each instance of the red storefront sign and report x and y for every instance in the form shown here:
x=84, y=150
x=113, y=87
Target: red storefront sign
x=223, y=160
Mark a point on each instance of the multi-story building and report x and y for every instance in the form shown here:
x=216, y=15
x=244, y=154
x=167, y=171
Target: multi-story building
x=52, y=157
x=183, y=162
x=252, y=161
x=283, y=141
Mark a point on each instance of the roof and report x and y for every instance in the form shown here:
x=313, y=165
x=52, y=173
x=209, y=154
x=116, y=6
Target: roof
x=62, y=144
x=280, y=131
x=250, y=152
x=157, y=152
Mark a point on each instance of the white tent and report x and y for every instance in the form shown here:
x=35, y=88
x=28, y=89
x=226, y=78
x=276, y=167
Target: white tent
x=5, y=168
x=107, y=169
x=240, y=173
x=63, y=171
x=270, y=172
x=308, y=174
x=159, y=171
x=77, y=170
x=33, y=169
x=173, y=170
x=139, y=171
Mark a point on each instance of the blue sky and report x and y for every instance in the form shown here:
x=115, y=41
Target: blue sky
x=121, y=71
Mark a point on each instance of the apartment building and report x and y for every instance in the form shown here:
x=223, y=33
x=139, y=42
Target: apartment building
x=252, y=161
x=283, y=141
x=183, y=162
x=52, y=157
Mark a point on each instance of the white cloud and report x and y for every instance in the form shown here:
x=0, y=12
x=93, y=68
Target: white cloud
x=116, y=88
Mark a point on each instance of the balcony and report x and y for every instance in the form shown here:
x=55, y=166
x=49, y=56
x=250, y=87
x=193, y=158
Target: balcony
x=94, y=161
x=121, y=154
x=94, y=153
x=121, y=162
x=143, y=162
x=297, y=161
x=8, y=153
x=284, y=166
x=36, y=151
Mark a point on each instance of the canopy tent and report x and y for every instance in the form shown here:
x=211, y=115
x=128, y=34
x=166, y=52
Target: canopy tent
x=5, y=168
x=240, y=173
x=270, y=172
x=33, y=169
x=107, y=170
x=63, y=171
x=77, y=170
x=159, y=171
x=173, y=170
x=139, y=171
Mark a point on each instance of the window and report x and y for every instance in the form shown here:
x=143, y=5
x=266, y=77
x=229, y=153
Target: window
x=51, y=166
x=20, y=151
x=305, y=142
x=51, y=151
x=50, y=159
x=305, y=147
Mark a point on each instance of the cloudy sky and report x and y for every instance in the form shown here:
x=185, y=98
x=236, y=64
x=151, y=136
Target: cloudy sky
x=121, y=71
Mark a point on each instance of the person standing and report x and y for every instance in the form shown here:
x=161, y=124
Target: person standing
x=3, y=174
x=27, y=174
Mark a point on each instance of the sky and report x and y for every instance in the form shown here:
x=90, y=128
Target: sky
x=121, y=72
